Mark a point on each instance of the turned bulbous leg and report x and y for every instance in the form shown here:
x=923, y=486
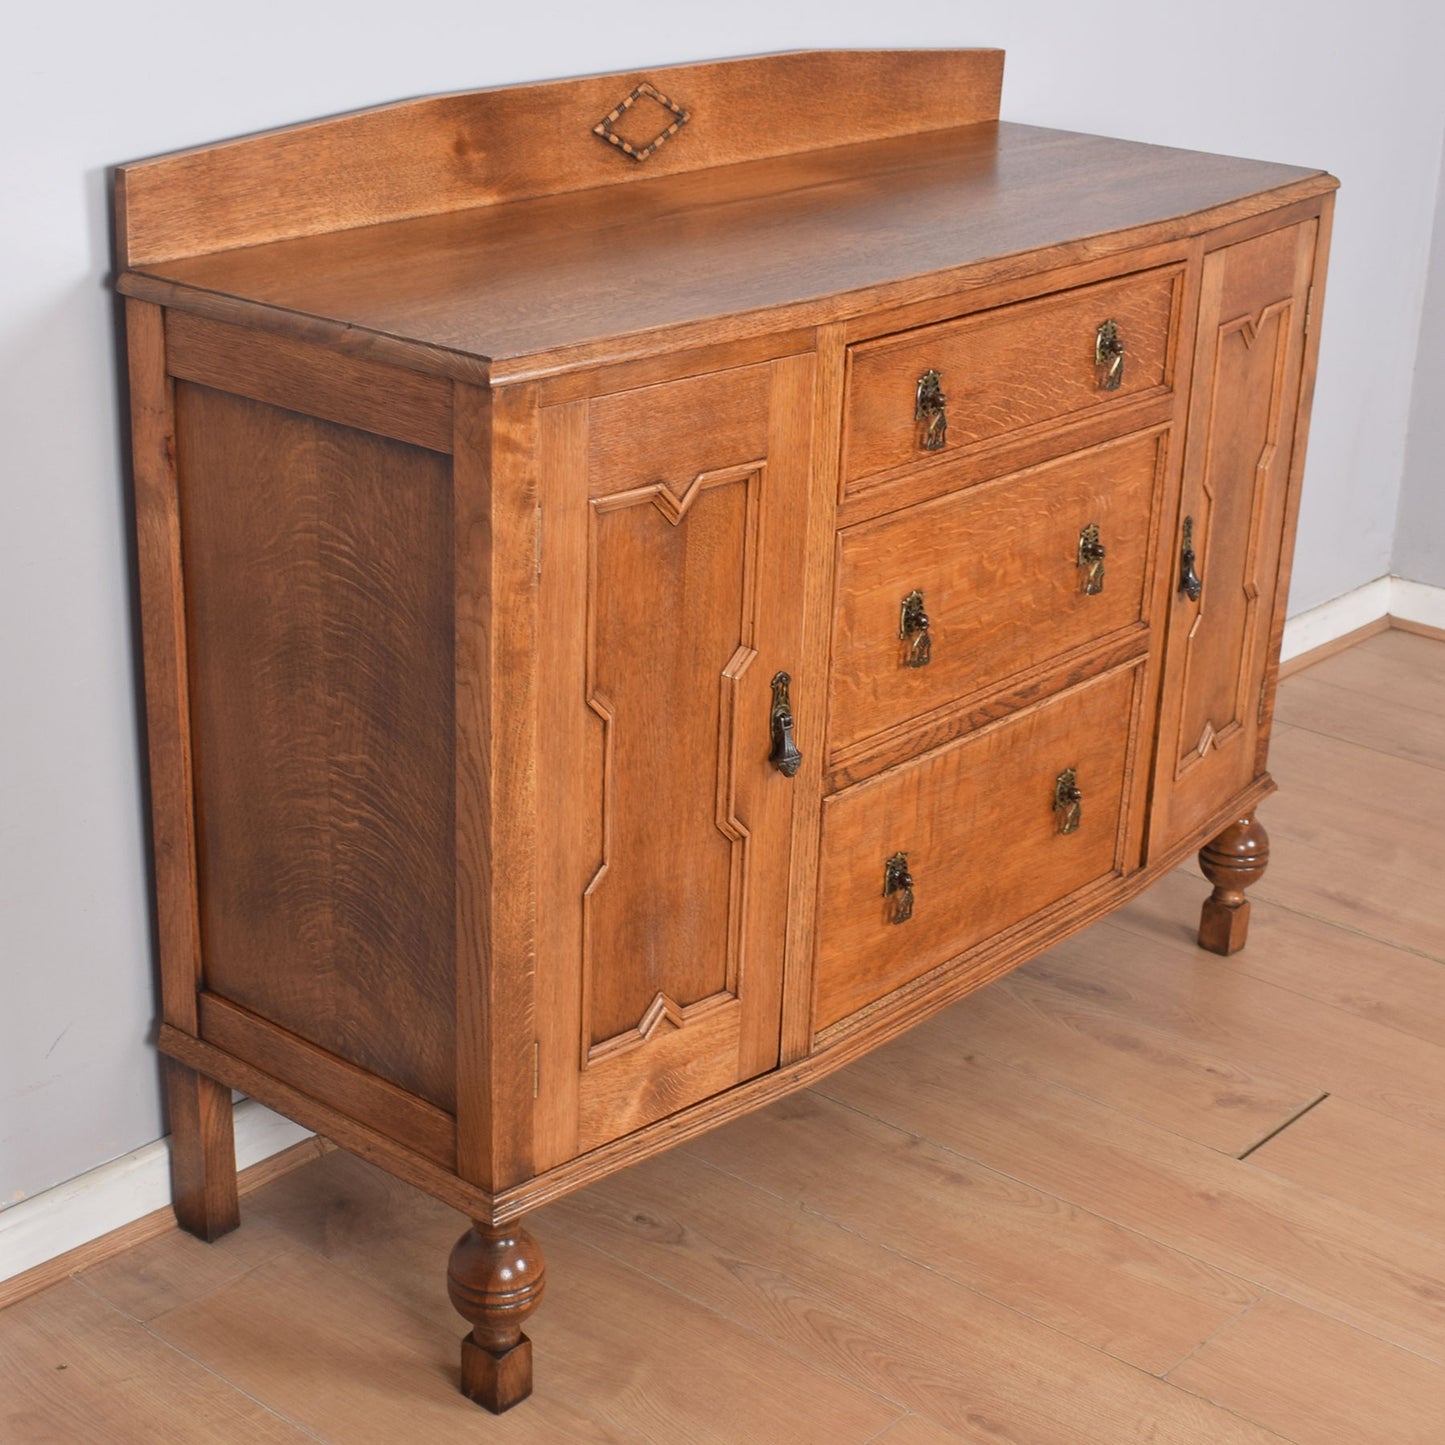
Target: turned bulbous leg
x=495, y=1279
x=1232, y=861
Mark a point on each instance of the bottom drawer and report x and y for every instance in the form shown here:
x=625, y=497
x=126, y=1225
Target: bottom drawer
x=981, y=837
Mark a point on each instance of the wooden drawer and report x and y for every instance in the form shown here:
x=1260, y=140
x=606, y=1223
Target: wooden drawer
x=1005, y=371
x=977, y=823
x=1001, y=582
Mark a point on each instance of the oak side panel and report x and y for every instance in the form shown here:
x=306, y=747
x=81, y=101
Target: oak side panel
x=497, y=560
x=319, y=607
x=450, y=152
x=163, y=640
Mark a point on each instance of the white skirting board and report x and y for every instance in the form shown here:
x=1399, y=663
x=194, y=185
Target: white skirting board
x=127, y=1189
x=1384, y=597
x=118, y=1193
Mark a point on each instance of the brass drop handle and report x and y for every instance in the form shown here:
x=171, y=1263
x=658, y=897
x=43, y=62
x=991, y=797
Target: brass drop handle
x=1108, y=356
x=898, y=885
x=785, y=756
x=930, y=412
x=1091, y=560
x=1068, y=801
x=913, y=631
x=1191, y=584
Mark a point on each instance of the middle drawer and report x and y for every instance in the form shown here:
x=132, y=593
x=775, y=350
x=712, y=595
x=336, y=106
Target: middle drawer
x=953, y=596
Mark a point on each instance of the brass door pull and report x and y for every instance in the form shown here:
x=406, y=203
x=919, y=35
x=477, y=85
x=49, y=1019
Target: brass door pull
x=898, y=885
x=1108, y=356
x=1191, y=584
x=1068, y=801
x=929, y=411
x=913, y=631
x=1091, y=560
x=785, y=756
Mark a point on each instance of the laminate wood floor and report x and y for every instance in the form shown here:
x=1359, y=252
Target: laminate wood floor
x=1132, y=1193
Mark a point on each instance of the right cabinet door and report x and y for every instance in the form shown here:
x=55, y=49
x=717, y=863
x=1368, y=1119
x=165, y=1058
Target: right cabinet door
x=1229, y=554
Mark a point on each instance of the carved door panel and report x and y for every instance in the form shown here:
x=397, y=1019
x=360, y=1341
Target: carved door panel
x=1228, y=564
x=672, y=533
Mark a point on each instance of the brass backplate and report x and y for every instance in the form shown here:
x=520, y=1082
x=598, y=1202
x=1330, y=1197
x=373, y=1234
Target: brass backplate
x=1108, y=356
x=898, y=885
x=913, y=631
x=1068, y=801
x=930, y=412
x=1091, y=560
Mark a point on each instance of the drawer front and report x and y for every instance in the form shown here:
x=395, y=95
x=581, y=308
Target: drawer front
x=1006, y=575
x=983, y=840
x=1003, y=371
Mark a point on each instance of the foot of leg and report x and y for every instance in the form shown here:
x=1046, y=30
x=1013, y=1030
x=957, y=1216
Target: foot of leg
x=495, y=1279
x=1232, y=861
x=203, y=1153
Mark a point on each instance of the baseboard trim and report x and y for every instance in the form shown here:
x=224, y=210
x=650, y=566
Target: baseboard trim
x=121, y=1204
x=1417, y=607
x=1386, y=602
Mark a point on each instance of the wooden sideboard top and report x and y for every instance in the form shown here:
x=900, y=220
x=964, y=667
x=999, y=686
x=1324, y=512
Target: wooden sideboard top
x=497, y=278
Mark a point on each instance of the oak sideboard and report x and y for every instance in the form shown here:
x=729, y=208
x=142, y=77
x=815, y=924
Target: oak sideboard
x=653, y=584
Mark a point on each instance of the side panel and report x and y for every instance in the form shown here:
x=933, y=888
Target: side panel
x=319, y=597
x=1238, y=463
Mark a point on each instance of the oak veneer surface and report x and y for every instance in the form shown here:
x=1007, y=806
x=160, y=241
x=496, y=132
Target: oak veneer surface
x=319, y=602
x=787, y=237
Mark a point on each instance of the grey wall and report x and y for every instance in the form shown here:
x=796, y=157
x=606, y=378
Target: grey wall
x=1321, y=82
x=1420, y=529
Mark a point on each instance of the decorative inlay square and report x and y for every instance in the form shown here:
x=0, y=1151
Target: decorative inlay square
x=677, y=118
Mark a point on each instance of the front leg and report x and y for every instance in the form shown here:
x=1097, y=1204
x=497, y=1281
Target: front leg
x=1232, y=861
x=495, y=1279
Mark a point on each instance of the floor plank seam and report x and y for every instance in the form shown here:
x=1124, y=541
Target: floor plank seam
x=1347, y=928
x=1394, y=753
x=906, y=1415
x=1233, y=1320
x=215, y=1374
x=1280, y=1128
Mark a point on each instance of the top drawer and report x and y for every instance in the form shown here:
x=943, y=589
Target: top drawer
x=1007, y=370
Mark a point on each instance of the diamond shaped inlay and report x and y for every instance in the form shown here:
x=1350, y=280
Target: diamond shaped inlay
x=604, y=127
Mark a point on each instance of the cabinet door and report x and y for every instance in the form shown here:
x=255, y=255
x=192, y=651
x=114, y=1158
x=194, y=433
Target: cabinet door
x=673, y=534
x=1239, y=458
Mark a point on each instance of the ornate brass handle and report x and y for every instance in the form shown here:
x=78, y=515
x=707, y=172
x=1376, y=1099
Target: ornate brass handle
x=913, y=631
x=898, y=885
x=1068, y=801
x=1091, y=560
x=785, y=756
x=1108, y=356
x=929, y=412
x=1191, y=584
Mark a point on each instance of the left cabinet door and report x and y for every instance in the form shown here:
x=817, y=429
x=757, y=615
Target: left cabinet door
x=671, y=598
